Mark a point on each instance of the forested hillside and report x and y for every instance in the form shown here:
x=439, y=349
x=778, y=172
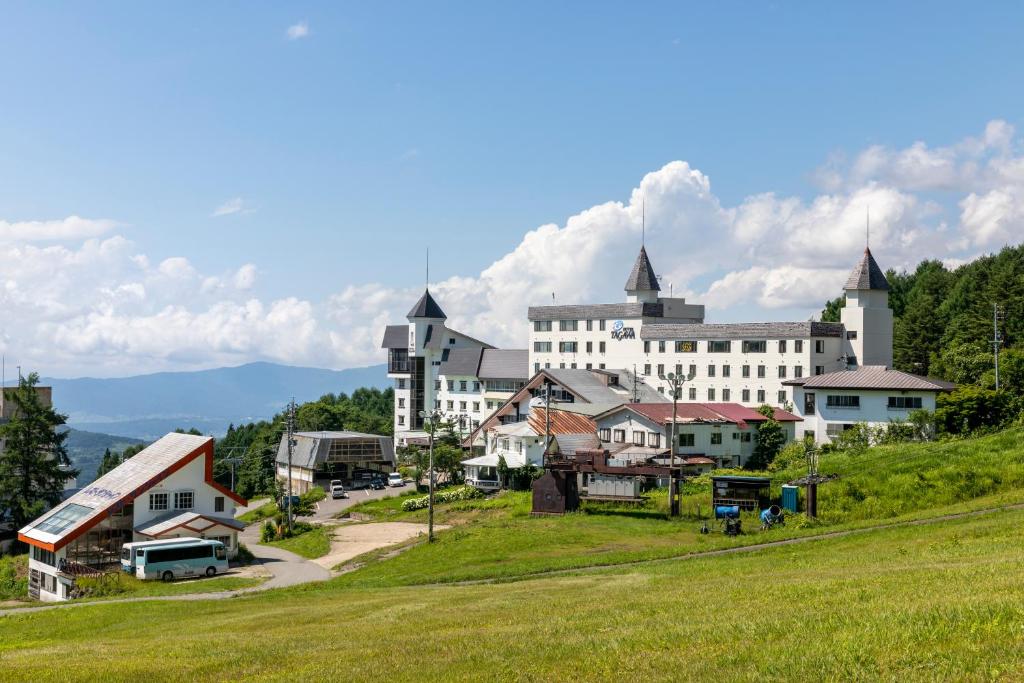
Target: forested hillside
x=943, y=318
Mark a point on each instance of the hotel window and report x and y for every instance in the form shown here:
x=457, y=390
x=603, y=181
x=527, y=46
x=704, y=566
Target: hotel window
x=842, y=401
x=590, y=347
x=661, y=347
x=693, y=370
x=745, y=437
x=158, y=501
x=451, y=405
x=686, y=347
x=547, y=366
x=905, y=402
x=600, y=347
x=590, y=326
x=561, y=366
x=851, y=334
x=719, y=346
x=451, y=341
x=401, y=403
x=600, y=366
x=661, y=370
x=726, y=394
x=541, y=325
x=711, y=371
x=451, y=385
x=798, y=345
x=798, y=371
x=745, y=396
x=218, y=504
x=693, y=393
x=686, y=440
x=600, y=325
x=638, y=438
x=567, y=347
x=716, y=438
x=760, y=371
x=541, y=347
x=462, y=405
x=401, y=384
x=726, y=371
x=476, y=386
x=819, y=369
x=183, y=500
x=760, y=395
x=647, y=369
x=536, y=367
x=711, y=393
x=819, y=346
x=572, y=365
x=476, y=406
x=755, y=346
x=590, y=366
x=437, y=404
x=782, y=346
x=782, y=396
x=679, y=369
x=619, y=436
x=782, y=371
x=745, y=372
x=647, y=346
x=654, y=439
x=462, y=385
x=568, y=325
x=437, y=385
x=604, y=434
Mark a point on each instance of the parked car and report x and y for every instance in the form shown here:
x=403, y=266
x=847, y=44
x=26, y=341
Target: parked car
x=395, y=479
x=377, y=484
x=283, y=504
x=338, y=491
x=335, y=482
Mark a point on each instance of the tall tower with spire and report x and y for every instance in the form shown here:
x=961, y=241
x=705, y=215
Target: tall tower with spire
x=642, y=285
x=867, y=316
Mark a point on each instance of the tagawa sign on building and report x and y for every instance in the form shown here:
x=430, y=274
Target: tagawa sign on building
x=620, y=331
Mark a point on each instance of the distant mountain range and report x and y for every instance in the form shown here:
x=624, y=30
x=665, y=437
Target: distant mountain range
x=148, y=406
x=86, y=450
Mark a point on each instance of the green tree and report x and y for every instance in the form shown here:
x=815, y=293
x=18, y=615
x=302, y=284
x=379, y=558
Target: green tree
x=970, y=408
x=833, y=307
x=34, y=464
x=770, y=440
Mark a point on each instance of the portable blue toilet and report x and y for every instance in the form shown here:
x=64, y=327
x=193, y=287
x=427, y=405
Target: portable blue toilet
x=790, y=497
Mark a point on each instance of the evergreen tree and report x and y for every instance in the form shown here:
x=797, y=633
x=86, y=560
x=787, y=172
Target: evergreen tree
x=770, y=440
x=833, y=307
x=34, y=463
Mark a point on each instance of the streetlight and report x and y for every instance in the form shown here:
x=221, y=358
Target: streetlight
x=675, y=383
x=433, y=416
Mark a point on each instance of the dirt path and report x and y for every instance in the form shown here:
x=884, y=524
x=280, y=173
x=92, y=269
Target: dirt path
x=352, y=540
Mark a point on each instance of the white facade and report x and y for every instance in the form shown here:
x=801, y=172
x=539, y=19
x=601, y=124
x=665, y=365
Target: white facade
x=828, y=412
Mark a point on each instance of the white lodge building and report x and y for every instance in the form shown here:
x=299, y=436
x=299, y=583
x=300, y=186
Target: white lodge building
x=746, y=363
x=165, y=491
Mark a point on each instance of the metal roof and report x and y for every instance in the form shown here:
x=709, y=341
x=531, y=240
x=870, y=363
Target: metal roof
x=116, y=488
x=312, y=448
x=642, y=276
x=193, y=521
x=872, y=377
x=562, y=422
x=395, y=337
x=567, y=444
x=867, y=275
x=701, y=413
x=596, y=311
x=737, y=331
x=460, y=362
x=505, y=364
x=426, y=307
x=440, y=340
x=589, y=385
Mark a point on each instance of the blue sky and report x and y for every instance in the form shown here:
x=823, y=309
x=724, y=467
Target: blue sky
x=390, y=127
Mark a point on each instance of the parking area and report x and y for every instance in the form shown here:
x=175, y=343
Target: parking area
x=329, y=507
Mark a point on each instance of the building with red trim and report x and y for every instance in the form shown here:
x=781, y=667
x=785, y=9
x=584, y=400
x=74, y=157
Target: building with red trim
x=165, y=491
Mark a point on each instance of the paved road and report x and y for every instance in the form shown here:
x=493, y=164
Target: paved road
x=329, y=507
x=287, y=569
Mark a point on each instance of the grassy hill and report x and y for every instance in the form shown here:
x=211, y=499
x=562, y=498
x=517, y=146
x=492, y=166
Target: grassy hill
x=86, y=450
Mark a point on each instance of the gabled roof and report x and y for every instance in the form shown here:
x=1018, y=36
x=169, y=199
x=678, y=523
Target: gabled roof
x=395, y=337
x=701, y=413
x=426, y=307
x=642, y=276
x=120, y=486
x=562, y=422
x=505, y=364
x=312, y=448
x=462, y=362
x=872, y=377
x=192, y=521
x=867, y=275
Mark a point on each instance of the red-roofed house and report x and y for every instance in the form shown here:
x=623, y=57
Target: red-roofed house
x=165, y=491
x=708, y=434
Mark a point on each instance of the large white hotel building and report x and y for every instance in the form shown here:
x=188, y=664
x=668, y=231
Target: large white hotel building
x=436, y=367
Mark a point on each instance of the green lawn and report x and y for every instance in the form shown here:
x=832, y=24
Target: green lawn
x=310, y=544
x=265, y=511
x=937, y=602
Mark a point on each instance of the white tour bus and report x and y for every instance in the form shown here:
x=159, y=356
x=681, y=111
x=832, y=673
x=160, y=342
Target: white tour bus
x=177, y=560
x=128, y=550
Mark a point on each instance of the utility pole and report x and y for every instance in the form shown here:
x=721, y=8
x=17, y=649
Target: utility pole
x=291, y=443
x=547, y=423
x=997, y=339
x=675, y=383
x=812, y=480
x=432, y=416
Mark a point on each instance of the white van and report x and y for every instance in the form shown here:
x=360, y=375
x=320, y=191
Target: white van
x=395, y=479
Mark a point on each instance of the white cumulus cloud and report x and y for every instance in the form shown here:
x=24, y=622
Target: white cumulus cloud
x=296, y=31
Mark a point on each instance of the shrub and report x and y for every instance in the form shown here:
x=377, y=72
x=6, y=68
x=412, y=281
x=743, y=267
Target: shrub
x=269, y=532
x=110, y=583
x=314, y=495
x=448, y=496
x=13, y=577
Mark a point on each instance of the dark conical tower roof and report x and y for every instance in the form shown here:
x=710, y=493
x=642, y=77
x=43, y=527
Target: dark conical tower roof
x=426, y=307
x=642, y=276
x=867, y=275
